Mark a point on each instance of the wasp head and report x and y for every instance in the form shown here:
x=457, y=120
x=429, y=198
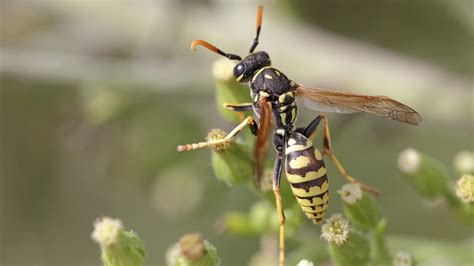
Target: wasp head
x=245, y=69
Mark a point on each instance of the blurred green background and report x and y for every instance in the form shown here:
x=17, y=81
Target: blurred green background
x=95, y=96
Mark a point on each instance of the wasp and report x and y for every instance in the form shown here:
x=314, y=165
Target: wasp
x=274, y=100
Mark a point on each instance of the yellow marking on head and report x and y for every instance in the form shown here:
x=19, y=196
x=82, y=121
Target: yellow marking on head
x=316, y=201
x=318, y=155
x=313, y=191
x=294, y=148
x=309, y=209
x=307, y=177
x=299, y=162
x=239, y=77
x=258, y=72
x=268, y=76
x=264, y=94
x=291, y=142
x=277, y=72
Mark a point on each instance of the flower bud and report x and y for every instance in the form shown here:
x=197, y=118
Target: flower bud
x=192, y=250
x=465, y=188
x=464, y=162
x=119, y=247
x=359, y=207
x=305, y=263
x=232, y=162
x=403, y=258
x=228, y=89
x=346, y=245
x=426, y=174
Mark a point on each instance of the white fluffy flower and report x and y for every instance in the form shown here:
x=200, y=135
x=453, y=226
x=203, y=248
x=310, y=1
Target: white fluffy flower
x=403, y=258
x=107, y=231
x=305, y=263
x=409, y=160
x=465, y=188
x=351, y=193
x=336, y=230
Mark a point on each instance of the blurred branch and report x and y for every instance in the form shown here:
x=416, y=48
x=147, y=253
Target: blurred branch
x=81, y=67
x=321, y=59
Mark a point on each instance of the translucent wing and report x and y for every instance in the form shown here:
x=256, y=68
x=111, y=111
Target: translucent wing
x=342, y=102
x=261, y=144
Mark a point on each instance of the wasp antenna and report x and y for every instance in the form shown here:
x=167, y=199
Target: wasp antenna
x=259, y=27
x=214, y=49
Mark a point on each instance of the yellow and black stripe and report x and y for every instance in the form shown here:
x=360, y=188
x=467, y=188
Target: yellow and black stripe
x=306, y=174
x=285, y=110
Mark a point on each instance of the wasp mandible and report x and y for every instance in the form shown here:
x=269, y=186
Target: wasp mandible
x=274, y=100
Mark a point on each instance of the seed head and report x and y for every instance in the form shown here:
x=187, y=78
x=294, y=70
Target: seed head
x=336, y=230
x=192, y=246
x=465, y=188
x=216, y=134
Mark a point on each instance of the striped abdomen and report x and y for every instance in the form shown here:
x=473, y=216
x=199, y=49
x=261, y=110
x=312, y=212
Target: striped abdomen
x=306, y=174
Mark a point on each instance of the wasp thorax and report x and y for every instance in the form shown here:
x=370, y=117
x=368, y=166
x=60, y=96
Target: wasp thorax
x=244, y=70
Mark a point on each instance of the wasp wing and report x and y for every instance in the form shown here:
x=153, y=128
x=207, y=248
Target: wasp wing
x=262, y=143
x=341, y=102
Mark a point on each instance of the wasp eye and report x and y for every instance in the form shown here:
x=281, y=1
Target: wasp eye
x=239, y=70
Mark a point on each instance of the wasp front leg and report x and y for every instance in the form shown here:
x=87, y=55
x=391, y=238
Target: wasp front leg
x=329, y=152
x=227, y=139
x=239, y=108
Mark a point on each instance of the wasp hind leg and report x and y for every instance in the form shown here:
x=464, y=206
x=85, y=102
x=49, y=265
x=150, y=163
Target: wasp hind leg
x=328, y=151
x=279, y=206
x=227, y=139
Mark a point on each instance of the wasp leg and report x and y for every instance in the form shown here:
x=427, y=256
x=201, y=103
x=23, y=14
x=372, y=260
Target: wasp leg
x=239, y=108
x=247, y=121
x=279, y=206
x=328, y=151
